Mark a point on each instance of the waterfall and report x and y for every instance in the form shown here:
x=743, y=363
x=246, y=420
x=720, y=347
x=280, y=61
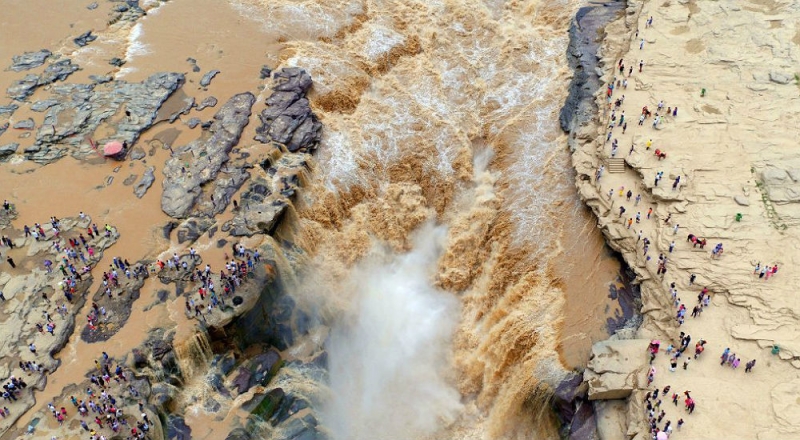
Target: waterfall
x=389, y=368
x=193, y=354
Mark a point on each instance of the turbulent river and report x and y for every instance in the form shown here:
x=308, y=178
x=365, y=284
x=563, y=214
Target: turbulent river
x=454, y=276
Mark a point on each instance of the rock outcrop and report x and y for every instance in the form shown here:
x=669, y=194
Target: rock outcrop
x=84, y=39
x=74, y=112
x=30, y=60
x=615, y=367
x=141, y=187
x=199, y=162
x=8, y=109
x=266, y=199
x=288, y=119
x=57, y=71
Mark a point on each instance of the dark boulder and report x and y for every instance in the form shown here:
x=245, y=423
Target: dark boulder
x=7, y=150
x=191, y=229
x=84, y=39
x=269, y=404
x=139, y=358
x=177, y=429
x=206, y=79
x=288, y=118
x=257, y=371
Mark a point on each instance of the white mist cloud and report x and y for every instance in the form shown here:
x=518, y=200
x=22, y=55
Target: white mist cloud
x=388, y=359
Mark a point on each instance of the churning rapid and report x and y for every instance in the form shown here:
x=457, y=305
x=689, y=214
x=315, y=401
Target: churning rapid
x=443, y=113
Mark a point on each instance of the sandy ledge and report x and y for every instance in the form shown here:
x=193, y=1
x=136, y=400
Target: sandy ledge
x=733, y=148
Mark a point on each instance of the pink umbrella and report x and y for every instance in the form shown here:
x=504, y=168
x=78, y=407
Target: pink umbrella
x=112, y=148
x=662, y=436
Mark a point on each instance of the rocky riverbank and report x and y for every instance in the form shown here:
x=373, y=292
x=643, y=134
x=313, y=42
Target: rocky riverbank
x=724, y=174
x=224, y=352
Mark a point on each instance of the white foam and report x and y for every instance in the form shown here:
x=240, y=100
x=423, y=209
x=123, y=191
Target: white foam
x=135, y=48
x=380, y=42
x=388, y=358
x=299, y=21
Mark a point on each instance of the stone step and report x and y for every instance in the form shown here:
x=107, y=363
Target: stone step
x=615, y=165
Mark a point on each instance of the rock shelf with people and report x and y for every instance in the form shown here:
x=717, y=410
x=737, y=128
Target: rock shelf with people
x=725, y=191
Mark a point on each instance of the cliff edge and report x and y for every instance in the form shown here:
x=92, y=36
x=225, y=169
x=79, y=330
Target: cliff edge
x=691, y=143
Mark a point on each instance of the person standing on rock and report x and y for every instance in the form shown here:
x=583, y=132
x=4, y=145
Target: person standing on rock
x=641, y=65
x=629, y=194
x=11, y=262
x=641, y=45
x=749, y=366
x=621, y=211
x=692, y=277
x=676, y=183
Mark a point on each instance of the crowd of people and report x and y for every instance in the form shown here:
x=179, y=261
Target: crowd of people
x=73, y=253
x=677, y=356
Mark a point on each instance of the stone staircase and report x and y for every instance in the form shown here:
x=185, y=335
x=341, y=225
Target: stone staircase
x=615, y=165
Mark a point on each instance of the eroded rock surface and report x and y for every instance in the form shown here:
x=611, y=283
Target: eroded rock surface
x=288, y=119
x=199, y=162
x=80, y=108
